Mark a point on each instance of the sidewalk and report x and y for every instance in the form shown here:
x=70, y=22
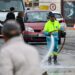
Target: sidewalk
x=70, y=28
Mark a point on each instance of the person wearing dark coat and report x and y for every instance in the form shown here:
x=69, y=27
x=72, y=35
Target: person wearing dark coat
x=19, y=19
x=11, y=15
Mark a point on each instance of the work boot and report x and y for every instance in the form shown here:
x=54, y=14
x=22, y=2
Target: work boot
x=55, y=59
x=45, y=73
x=49, y=60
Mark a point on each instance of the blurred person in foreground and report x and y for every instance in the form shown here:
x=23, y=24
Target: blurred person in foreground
x=16, y=57
x=52, y=26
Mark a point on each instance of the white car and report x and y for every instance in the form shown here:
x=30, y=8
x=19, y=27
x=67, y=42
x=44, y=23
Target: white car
x=61, y=20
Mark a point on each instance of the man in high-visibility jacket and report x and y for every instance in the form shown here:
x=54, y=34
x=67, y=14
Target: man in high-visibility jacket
x=51, y=27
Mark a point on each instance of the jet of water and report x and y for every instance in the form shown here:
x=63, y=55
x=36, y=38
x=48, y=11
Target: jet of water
x=50, y=50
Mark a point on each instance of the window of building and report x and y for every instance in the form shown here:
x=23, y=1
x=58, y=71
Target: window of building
x=69, y=9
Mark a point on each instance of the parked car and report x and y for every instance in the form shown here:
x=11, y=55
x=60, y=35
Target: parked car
x=36, y=19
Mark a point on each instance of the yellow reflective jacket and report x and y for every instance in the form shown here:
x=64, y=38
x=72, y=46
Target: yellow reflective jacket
x=51, y=26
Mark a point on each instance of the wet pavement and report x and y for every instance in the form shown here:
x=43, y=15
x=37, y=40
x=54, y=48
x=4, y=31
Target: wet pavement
x=66, y=58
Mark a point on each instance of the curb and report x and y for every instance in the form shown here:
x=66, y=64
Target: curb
x=70, y=28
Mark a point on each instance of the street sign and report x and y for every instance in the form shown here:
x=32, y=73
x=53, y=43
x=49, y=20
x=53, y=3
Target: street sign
x=52, y=6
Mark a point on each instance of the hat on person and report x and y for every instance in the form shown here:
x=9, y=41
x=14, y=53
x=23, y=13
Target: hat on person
x=50, y=14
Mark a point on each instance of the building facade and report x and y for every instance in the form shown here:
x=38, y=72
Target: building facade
x=65, y=7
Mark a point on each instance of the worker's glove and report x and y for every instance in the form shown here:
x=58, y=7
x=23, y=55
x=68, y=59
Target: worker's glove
x=62, y=33
x=45, y=73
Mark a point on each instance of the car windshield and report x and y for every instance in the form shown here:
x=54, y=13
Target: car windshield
x=39, y=16
x=36, y=16
x=6, y=4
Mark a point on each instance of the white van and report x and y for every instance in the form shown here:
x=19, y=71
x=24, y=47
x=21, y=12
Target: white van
x=5, y=8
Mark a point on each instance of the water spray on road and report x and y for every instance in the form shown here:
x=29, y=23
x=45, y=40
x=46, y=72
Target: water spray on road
x=49, y=52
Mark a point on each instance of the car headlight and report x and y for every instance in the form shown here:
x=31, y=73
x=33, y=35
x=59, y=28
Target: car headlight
x=29, y=29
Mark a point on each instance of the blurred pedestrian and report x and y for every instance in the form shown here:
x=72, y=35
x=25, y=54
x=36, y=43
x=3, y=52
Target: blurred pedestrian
x=11, y=15
x=52, y=26
x=16, y=57
x=20, y=20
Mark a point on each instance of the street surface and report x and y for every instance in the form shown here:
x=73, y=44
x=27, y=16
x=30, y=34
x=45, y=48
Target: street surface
x=66, y=58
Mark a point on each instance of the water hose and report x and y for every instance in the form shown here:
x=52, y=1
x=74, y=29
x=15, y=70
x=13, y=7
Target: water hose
x=50, y=49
